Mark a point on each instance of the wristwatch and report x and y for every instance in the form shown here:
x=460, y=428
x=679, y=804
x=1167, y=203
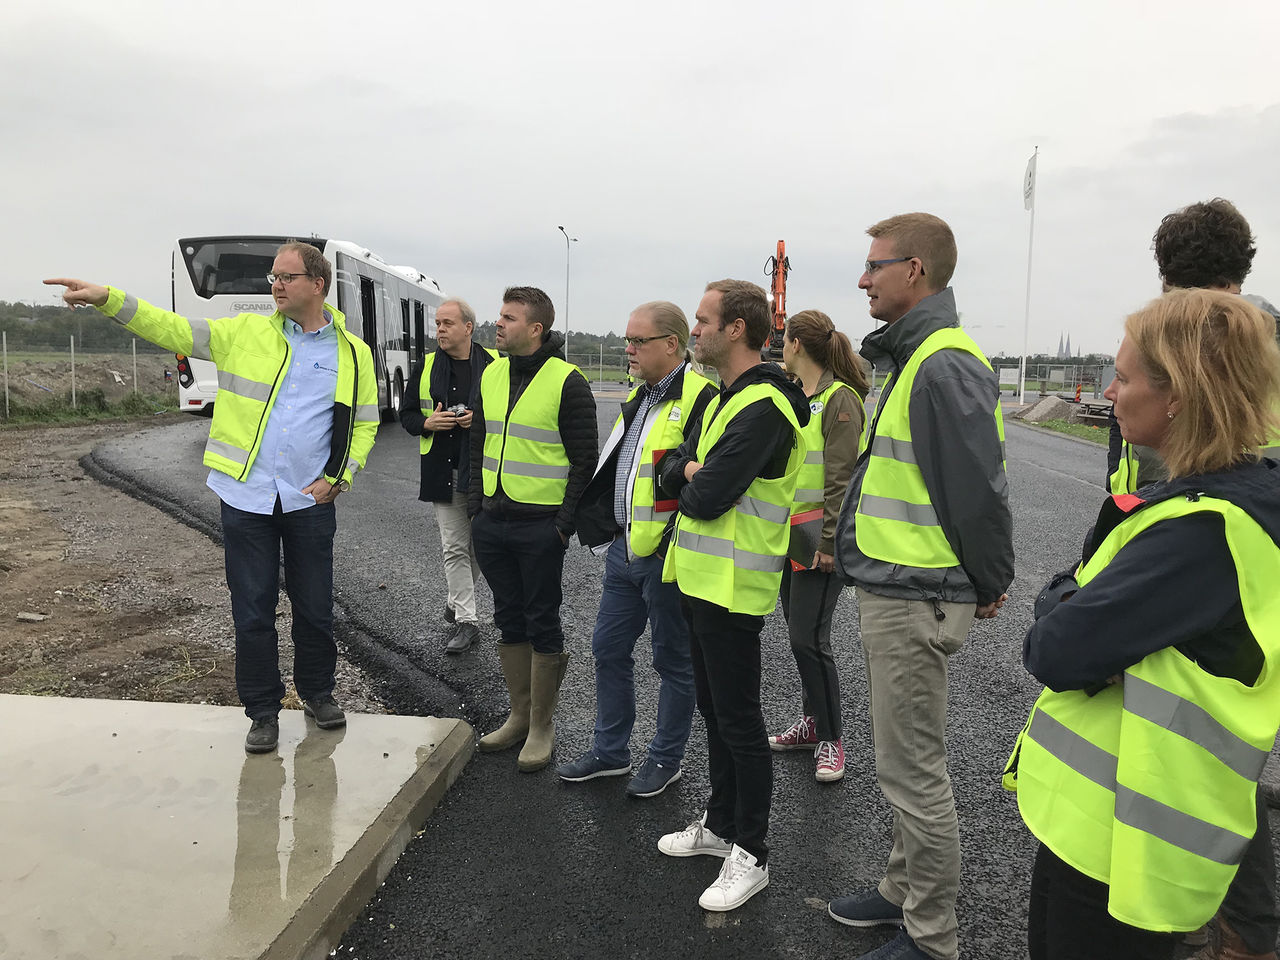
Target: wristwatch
x=343, y=485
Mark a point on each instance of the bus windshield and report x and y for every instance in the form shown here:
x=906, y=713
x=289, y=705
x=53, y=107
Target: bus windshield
x=236, y=265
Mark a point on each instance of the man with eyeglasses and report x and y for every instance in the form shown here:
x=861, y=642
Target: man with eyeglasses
x=926, y=536
x=295, y=419
x=622, y=514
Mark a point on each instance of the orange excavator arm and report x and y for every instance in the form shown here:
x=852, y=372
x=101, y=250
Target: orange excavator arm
x=777, y=268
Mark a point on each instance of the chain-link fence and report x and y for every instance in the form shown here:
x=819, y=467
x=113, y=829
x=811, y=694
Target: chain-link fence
x=44, y=378
x=601, y=366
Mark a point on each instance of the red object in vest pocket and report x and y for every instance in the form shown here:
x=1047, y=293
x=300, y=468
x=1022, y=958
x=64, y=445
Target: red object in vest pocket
x=661, y=506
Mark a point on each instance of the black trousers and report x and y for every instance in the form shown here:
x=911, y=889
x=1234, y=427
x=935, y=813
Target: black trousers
x=1068, y=919
x=1250, y=904
x=522, y=558
x=726, y=676
x=808, y=601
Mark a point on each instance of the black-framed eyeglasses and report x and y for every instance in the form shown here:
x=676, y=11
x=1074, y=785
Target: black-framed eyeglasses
x=285, y=278
x=640, y=341
x=873, y=265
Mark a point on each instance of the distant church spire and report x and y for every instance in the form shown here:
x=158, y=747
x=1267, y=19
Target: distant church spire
x=1060, y=353
x=1069, y=354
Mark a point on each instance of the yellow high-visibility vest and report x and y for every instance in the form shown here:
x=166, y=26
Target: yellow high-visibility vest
x=735, y=560
x=1149, y=786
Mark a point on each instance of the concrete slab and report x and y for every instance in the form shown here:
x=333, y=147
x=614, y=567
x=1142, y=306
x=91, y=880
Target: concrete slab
x=143, y=830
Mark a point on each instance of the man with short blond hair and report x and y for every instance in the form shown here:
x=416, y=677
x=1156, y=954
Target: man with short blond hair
x=296, y=416
x=438, y=403
x=926, y=536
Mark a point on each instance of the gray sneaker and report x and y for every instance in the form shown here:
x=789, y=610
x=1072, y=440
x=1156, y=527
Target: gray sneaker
x=463, y=637
x=450, y=614
x=264, y=736
x=325, y=711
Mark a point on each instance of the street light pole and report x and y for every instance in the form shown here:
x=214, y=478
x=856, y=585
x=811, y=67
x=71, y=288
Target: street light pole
x=567, y=240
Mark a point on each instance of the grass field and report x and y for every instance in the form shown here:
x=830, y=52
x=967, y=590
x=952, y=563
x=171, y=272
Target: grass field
x=1082, y=430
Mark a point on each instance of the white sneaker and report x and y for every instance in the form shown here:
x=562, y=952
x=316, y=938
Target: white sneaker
x=694, y=840
x=740, y=880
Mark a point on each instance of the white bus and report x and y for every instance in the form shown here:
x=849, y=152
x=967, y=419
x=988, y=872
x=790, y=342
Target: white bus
x=391, y=308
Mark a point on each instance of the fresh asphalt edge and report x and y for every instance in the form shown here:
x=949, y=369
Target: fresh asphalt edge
x=404, y=686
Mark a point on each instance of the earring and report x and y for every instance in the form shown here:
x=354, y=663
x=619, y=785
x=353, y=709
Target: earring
x=1170, y=414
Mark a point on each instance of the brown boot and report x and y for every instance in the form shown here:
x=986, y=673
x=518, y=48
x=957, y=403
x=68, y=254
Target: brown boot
x=1226, y=944
x=516, y=666
x=548, y=671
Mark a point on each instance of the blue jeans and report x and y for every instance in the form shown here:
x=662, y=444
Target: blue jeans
x=252, y=543
x=633, y=594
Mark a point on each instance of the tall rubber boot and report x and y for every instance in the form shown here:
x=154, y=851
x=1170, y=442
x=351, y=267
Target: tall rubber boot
x=548, y=671
x=516, y=667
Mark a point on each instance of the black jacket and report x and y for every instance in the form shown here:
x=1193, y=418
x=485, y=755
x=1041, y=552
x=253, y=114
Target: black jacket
x=757, y=443
x=577, y=426
x=1173, y=585
x=595, y=521
x=953, y=434
x=435, y=481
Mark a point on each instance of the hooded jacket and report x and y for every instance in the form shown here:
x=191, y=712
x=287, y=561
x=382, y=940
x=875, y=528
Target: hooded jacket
x=756, y=443
x=577, y=424
x=958, y=450
x=1174, y=584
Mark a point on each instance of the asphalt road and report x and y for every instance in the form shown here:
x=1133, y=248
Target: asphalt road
x=526, y=866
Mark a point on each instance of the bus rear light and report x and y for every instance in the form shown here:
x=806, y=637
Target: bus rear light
x=194, y=403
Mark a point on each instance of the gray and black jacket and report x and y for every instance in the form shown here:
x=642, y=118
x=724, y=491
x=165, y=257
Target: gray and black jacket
x=958, y=450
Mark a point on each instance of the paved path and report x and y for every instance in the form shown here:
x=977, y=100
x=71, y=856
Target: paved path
x=525, y=866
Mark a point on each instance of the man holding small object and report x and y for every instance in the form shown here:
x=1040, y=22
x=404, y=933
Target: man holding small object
x=437, y=408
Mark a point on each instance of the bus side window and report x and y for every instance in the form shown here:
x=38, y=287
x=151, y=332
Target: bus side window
x=419, y=330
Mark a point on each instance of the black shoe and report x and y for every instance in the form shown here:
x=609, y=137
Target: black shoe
x=325, y=711
x=450, y=615
x=463, y=637
x=867, y=908
x=263, y=736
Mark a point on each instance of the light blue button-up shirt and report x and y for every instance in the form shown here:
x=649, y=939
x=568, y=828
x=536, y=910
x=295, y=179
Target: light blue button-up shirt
x=296, y=440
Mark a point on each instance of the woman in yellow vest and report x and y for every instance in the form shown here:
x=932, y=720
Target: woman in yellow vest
x=821, y=359
x=1138, y=767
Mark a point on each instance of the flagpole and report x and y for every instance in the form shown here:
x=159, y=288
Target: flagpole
x=1026, y=319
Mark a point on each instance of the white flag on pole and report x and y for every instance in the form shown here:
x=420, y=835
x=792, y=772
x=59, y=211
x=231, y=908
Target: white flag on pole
x=1029, y=184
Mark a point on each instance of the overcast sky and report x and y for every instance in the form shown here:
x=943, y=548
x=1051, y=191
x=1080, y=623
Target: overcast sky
x=678, y=141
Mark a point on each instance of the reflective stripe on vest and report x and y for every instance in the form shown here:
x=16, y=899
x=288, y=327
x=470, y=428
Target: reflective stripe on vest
x=664, y=429
x=1149, y=786
x=525, y=450
x=811, y=485
x=895, y=519
x=1125, y=478
x=428, y=406
x=736, y=559
x=249, y=378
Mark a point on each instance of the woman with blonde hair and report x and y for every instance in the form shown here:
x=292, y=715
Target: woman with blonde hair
x=822, y=360
x=1137, y=769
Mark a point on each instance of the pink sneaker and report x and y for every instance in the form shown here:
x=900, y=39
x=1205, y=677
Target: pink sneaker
x=830, y=757
x=801, y=735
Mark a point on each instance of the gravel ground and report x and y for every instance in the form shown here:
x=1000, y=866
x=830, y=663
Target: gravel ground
x=131, y=603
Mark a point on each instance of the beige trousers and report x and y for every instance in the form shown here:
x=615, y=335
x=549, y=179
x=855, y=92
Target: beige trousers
x=460, y=569
x=906, y=648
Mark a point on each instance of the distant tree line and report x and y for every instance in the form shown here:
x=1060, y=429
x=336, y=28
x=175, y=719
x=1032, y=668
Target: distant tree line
x=52, y=327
